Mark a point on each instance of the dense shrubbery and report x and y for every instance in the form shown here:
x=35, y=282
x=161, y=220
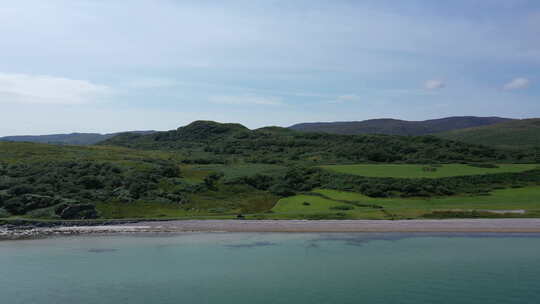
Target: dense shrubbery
x=302, y=179
x=425, y=187
x=72, y=187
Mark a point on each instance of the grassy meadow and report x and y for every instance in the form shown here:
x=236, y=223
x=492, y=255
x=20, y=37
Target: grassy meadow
x=417, y=171
x=324, y=201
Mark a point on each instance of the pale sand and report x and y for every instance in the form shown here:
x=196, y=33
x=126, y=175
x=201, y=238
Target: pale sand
x=457, y=225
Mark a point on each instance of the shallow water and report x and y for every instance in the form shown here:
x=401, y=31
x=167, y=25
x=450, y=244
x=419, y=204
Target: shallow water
x=273, y=268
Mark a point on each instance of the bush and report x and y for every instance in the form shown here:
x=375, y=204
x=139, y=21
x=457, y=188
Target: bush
x=15, y=206
x=282, y=189
x=43, y=213
x=90, y=182
x=342, y=207
x=22, y=204
x=20, y=190
x=170, y=171
x=211, y=180
x=4, y=213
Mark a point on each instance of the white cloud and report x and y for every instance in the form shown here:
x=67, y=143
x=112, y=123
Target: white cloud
x=345, y=98
x=517, y=83
x=42, y=89
x=247, y=100
x=434, y=84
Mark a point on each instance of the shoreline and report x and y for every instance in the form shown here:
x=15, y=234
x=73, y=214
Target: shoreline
x=508, y=225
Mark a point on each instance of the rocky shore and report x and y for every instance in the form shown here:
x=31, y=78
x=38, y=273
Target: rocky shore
x=20, y=233
x=46, y=229
x=29, y=229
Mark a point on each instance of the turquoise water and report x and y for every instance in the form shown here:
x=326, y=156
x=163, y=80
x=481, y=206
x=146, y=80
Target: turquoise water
x=273, y=268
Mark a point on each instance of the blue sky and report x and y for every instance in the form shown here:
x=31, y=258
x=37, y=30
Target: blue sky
x=115, y=65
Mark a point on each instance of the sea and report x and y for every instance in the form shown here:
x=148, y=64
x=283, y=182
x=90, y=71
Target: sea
x=292, y=268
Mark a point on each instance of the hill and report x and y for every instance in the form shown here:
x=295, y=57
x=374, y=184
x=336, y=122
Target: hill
x=398, y=127
x=66, y=139
x=214, y=170
x=512, y=134
x=43, y=181
x=211, y=142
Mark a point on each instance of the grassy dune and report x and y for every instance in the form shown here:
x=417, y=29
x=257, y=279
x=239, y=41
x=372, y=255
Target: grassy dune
x=416, y=171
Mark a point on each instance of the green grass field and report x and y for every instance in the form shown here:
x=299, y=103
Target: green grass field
x=294, y=207
x=416, y=171
x=322, y=201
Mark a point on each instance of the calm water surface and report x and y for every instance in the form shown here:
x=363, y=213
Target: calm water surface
x=273, y=268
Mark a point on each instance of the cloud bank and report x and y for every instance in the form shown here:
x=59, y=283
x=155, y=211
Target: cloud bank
x=43, y=89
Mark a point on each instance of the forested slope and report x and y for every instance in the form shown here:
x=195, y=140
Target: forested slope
x=226, y=142
x=514, y=134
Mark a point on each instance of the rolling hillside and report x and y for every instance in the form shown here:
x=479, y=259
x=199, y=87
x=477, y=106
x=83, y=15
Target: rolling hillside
x=398, y=127
x=66, y=139
x=212, y=170
x=512, y=134
x=211, y=142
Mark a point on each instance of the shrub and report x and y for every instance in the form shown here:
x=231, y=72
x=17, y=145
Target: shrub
x=20, y=189
x=4, y=213
x=211, y=180
x=342, y=207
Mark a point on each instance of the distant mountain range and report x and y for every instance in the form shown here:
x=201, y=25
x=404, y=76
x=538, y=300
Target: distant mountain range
x=489, y=131
x=399, y=127
x=68, y=139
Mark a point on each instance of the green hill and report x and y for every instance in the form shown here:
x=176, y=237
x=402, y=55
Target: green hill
x=211, y=142
x=512, y=134
x=66, y=139
x=398, y=127
x=87, y=182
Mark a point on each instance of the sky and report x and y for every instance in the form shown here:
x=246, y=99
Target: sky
x=116, y=65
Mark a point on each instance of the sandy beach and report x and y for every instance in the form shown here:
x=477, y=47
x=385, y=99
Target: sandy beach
x=457, y=225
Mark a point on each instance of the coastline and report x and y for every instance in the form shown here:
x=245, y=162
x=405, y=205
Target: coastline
x=508, y=225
